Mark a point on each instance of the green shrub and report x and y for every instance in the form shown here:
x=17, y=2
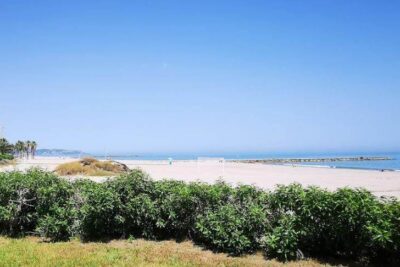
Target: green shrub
x=142, y=217
x=232, y=229
x=181, y=203
x=286, y=223
x=6, y=157
x=178, y=207
x=56, y=209
x=351, y=213
x=27, y=198
x=287, y=198
x=99, y=212
x=138, y=210
x=283, y=242
x=58, y=225
x=347, y=223
x=382, y=232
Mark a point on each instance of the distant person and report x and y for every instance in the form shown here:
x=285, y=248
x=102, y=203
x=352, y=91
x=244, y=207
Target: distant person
x=170, y=161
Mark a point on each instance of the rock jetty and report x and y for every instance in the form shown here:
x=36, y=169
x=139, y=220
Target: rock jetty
x=307, y=160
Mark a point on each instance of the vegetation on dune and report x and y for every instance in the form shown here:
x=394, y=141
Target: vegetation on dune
x=289, y=223
x=91, y=167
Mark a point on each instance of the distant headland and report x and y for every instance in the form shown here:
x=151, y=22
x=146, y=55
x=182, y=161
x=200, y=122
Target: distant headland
x=60, y=153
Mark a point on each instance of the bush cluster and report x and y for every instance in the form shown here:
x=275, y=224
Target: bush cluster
x=289, y=223
x=6, y=157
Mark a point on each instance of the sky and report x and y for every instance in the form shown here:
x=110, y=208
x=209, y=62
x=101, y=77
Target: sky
x=185, y=76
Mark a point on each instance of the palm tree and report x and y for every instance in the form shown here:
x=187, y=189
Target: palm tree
x=15, y=152
x=20, y=148
x=33, y=148
x=5, y=146
x=27, y=148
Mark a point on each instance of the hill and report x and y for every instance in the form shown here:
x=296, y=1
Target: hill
x=60, y=153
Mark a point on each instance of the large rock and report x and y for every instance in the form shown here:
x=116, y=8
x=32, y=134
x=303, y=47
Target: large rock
x=120, y=166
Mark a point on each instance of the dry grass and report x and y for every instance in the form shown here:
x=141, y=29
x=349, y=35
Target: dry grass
x=90, y=167
x=6, y=162
x=32, y=252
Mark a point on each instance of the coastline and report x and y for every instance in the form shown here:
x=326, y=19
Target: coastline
x=338, y=167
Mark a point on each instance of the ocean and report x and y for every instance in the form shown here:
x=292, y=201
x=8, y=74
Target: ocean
x=393, y=164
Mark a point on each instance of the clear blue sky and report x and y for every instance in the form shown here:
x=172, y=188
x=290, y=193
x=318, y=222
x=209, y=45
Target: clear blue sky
x=158, y=76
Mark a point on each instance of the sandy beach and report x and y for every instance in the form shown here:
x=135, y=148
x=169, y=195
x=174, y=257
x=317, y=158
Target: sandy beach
x=261, y=175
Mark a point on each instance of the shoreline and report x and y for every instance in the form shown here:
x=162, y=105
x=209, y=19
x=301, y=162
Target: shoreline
x=288, y=162
x=166, y=162
x=338, y=167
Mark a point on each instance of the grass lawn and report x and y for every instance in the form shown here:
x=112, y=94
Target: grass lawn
x=32, y=252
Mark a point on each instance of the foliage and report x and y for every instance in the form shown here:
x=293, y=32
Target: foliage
x=99, y=211
x=6, y=150
x=25, y=149
x=347, y=223
x=21, y=149
x=5, y=147
x=287, y=223
x=282, y=242
x=232, y=229
x=6, y=157
x=35, y=202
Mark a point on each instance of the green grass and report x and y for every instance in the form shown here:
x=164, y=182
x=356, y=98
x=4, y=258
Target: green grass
x=32, y=252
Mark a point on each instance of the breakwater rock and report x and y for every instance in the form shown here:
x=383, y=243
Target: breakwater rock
x=306, y=160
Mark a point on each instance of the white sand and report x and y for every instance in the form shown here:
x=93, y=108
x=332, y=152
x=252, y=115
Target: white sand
x=265, y=176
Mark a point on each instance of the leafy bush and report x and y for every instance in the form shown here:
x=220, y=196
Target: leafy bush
x=27, y=199
x=99, y=211
x=235, y=227
x=283, y=242
x=286, y=223
x=138, y=209
x=347, y=223
x=231, y=229
x=56, y=209
x=181, y=203
x=6, y=157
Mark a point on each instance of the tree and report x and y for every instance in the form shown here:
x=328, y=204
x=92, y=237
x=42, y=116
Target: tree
x=20, y=148
x=33, y=148
x=27, y=148
x=5, y=147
